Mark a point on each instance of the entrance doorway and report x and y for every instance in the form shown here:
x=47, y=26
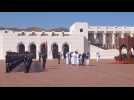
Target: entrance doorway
x=65, y=49
x=43, y=48
x=33, y=50
x=21, y=48
x=55, y=50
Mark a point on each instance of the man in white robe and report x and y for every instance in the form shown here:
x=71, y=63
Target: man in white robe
x=73, y=58
x=67, y=58
x=97, y=56
x=87, y=58
x=77, y=59
x=80, y=59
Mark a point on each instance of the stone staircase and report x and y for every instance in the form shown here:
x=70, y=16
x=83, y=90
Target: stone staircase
x=105, y=54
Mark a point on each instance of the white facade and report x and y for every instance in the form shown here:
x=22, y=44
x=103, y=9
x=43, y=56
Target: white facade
x=77, y=38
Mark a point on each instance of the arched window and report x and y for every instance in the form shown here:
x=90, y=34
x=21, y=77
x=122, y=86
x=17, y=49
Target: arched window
x=32, y=34
x=65, y=49
x=63, y=34
x=43, y=47
x=32, y=49
x=81, y=29
x=21, y=48
x=55, y=50
x=53, y=34
x=99, y=38
x=21, y=34
x=117, y=36
x=6, y=31
x=91, y=36
x=108, y=40
x=44, y=34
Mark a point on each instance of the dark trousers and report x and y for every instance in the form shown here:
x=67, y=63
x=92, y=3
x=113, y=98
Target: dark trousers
x=8, y=68
x=82, y=61
x=27, y=69
x=39, y=58
x=44, y=63
x=28, y=65
x=58, y=60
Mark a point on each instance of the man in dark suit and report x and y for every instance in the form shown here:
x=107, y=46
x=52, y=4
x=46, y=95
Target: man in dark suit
x=39, y=56
x=44, y=58
x=28, y=61
x=7, y=62
x=59, y=57
x=83, y=58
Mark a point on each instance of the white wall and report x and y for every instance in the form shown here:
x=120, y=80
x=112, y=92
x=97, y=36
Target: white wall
x=1, y=45
x=75, y=28
x=76, y=40
x=11, y=41
x=105, y=54
x=86, y=45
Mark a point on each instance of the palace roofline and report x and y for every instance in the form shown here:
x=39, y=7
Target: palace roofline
x=36, y=29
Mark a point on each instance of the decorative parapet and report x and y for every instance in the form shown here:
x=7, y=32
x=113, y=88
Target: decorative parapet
x=33, y=34
x=22, y=34
x=54, y=34
x=44, y=34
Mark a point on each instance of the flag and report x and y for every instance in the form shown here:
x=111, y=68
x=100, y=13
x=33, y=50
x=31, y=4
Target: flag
x=46, y=44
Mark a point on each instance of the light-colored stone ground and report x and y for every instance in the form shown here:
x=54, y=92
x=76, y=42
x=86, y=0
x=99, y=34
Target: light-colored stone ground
x=100, y=74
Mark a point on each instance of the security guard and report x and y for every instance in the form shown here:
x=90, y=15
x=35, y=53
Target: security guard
x=59, y=57
x=39, y=56
x=28, y=62
x=44, y=58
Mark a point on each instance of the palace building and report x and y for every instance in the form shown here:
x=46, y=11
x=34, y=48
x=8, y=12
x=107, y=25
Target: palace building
x=81, y=37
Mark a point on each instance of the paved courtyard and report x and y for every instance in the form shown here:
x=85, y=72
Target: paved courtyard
x=104, y=73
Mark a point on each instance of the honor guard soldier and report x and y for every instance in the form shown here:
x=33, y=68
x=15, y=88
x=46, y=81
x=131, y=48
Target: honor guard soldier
x=44, y=57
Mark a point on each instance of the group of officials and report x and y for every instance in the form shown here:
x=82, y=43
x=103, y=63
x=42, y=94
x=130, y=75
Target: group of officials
x=76, y=58
x=73, y=58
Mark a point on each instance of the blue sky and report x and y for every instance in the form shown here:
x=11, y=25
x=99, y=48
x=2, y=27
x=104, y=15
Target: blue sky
x=64, y=19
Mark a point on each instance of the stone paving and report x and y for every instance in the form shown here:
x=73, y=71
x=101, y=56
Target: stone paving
x=104, y=73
